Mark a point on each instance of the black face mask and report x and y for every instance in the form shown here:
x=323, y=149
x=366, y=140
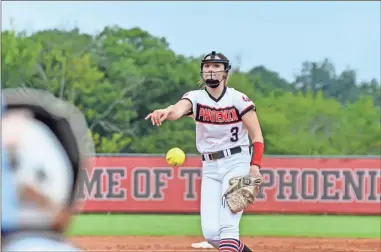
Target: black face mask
x=212, y=83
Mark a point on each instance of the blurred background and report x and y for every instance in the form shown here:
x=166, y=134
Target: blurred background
x=312, y=69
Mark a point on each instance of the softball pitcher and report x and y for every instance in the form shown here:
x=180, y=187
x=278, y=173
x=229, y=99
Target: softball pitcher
x=225, y=118
x=47, y=143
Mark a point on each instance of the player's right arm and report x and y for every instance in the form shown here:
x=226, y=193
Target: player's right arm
x=180, y=109
x=172, y=112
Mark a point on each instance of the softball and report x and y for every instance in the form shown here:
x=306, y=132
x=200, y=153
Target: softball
x=175, y=157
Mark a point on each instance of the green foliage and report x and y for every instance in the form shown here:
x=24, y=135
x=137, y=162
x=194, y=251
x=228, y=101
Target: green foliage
x=120, y=75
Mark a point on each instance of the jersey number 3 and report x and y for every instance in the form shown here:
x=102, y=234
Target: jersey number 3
x=234, y=132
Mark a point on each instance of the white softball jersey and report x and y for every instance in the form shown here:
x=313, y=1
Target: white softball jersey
x=219, y=123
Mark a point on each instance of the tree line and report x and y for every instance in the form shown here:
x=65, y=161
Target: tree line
x=118, y=76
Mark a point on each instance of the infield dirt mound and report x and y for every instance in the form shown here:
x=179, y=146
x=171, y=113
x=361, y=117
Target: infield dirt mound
x=258, y=244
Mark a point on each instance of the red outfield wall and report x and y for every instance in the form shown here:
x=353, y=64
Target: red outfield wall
x=292, y=185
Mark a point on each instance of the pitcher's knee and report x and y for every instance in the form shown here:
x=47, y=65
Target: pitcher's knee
x=229, y=232
x=212, y=236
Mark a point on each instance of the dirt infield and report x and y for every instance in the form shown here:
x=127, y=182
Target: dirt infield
x=258, y=244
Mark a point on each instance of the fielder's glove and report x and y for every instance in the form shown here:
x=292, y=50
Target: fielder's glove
x=242, y=191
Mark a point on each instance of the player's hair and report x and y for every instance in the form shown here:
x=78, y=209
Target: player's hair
x=223, y=57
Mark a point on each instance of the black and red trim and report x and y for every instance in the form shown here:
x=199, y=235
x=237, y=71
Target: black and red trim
x=247, y=109
x=218, y=116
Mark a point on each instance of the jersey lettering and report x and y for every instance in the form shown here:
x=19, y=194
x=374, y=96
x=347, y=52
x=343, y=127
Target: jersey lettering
x=227, y=115
x=219, y=124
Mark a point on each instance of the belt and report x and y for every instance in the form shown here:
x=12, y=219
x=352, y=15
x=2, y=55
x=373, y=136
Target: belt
x=221, y=154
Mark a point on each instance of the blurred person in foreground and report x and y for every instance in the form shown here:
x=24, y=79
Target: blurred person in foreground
x=48, y=143
x=8, y=189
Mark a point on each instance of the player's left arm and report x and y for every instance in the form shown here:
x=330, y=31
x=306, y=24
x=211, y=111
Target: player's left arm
x=243, y=189
x=251, y=122
x=247, y=111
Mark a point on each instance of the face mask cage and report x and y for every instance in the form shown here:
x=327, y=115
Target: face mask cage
x=213, y=58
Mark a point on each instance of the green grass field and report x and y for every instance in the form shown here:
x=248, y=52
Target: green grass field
x=251, y=225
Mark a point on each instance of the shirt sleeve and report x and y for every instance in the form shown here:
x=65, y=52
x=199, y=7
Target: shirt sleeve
x=243, y=103
x=191, y=97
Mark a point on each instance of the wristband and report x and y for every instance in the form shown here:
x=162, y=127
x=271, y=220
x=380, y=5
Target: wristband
x=256, y=158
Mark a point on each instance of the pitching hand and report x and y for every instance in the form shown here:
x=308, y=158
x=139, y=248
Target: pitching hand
x=158, y=116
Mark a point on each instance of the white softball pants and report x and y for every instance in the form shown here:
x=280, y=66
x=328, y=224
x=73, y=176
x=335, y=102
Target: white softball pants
x=217, y=221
